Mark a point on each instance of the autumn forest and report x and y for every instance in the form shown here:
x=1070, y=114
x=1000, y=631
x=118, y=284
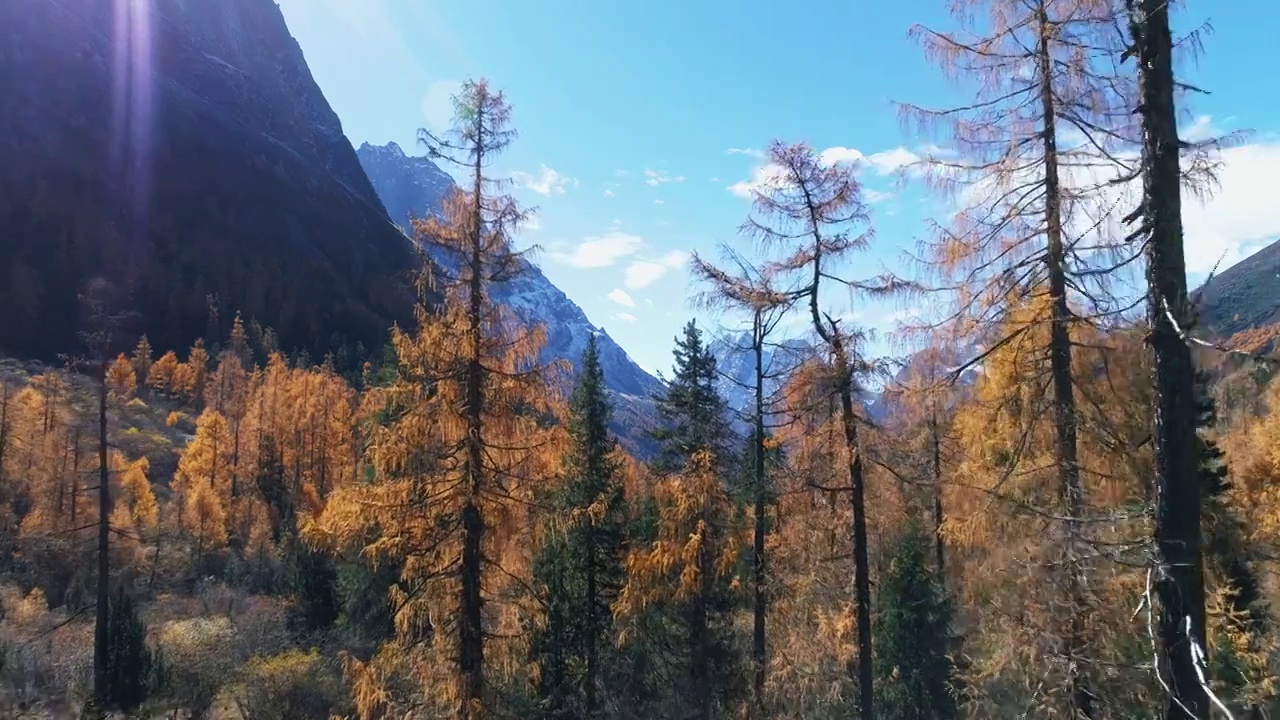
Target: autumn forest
x=1066, y=506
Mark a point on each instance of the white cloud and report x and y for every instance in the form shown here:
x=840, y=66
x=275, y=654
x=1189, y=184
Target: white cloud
x=547, y=182
x=715, y=179
x=1240, y=215
x=936, y=151
x=675, y=259
x=437, y=104
x=761, y=178
x=608, y=193
x=659, y=177
x=750, y=152
x=600, y=251
x=892, y=319
x=891, y=161
x=533, y=224
x=621, y=173
x=883, y=163
x=621, y=297
x=625, y=317
x=872, y=195
x=1236, y=218
x=835, y=155
x=1201, y=129
x=659, y=202
x=643, y=273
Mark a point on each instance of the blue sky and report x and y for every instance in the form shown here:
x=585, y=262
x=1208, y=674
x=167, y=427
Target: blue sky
x=633, y=118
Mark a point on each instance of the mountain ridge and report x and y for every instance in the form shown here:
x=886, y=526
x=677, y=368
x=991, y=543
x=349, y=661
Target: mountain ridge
x=1244, y=297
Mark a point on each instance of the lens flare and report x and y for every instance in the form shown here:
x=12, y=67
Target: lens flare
x=132, y=106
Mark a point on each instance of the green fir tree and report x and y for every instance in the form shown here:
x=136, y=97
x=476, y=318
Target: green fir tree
x=913, y=671
x=128, y=657
x=579, y=568
x=694, y=415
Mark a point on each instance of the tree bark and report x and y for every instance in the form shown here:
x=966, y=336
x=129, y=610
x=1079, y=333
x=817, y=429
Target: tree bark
x=592, y=631
x=100, y=637
x=861, y=566
x=1179, y=580
x=471, y=620
x=1065, y=435
x=939, y=547
x=758, y=647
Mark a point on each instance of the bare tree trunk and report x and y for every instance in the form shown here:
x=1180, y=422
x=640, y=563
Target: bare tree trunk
x=758, y=647
x=235, y=458
x=470, y=624
x=861, y=565
x=593, y=659
x=100, y=638
x=1179, y=581
x=75, y=476
x=1065, y=450
x=938, y=546
x=699, y=638
x=4, y=425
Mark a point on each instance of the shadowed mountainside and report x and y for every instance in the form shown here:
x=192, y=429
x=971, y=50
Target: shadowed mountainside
x=207, y=169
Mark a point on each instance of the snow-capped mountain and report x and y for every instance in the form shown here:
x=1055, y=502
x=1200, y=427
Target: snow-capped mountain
x=736, y=363
x=737, y=367
x=415, y=186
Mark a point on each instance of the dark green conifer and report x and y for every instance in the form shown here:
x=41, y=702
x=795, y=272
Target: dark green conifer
x=579, y=568
x=128, y=657
x=912, y=627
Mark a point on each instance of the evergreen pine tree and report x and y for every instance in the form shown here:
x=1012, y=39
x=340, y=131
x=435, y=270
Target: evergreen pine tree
x=312, y=582
x=363, y=591
x=684, y=637
x=579, y=567
x=912, y=627
x=693, y=412
x=128, y=658
x=1226, y=550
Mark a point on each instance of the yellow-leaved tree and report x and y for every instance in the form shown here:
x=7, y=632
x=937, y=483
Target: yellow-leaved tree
x=690, y=569
x=463, y=442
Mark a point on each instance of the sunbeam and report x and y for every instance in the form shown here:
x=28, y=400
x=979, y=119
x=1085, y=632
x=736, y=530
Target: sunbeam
x=132, y=107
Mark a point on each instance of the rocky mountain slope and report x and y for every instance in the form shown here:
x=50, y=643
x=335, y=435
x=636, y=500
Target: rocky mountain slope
x=414, y=186
x=188, y=156
x=1244, y=297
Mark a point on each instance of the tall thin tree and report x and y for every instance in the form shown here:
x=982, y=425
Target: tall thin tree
x=1049, y=111
x=814, y=213
x=1179, y=581
x=743, y=287
x=465, y=438
x=103, y=319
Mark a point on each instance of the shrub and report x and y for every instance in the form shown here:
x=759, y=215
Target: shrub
x=292, y=685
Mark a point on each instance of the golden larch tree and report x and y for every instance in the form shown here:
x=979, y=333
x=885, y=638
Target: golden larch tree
x=465, y=438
